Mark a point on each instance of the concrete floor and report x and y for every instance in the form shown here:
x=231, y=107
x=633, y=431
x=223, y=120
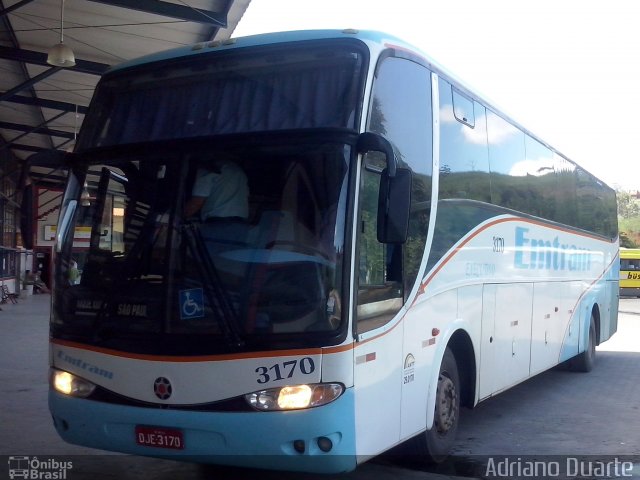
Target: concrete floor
x=555, y=413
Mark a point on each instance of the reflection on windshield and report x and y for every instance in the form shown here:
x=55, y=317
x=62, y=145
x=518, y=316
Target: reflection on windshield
x=234, y=243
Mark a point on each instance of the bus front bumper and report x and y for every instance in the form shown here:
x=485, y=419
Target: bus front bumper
x=245, y=439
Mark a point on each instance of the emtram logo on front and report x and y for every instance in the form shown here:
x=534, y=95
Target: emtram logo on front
x=162, y=388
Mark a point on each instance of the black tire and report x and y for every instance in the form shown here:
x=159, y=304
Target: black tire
x=587, y=359
x=435, y=444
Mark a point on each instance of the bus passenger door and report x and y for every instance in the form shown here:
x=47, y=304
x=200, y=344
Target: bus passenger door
x=400, y=112
x=378, y=353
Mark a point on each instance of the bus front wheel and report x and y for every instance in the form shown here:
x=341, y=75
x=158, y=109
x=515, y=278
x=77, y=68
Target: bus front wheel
x=435, y=444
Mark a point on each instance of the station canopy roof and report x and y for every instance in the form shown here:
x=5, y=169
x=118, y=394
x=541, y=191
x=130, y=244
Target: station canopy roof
x=42, y=106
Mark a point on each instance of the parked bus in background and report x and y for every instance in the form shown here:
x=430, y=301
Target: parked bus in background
x=630, y=272
x=399, y=248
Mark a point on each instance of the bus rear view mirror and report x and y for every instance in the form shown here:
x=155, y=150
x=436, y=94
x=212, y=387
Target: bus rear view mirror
x=394, y=201
x=394, y=196
x=372, y=142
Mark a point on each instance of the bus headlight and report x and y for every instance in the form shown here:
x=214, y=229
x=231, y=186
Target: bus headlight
x=70, y=384
x=294, y=397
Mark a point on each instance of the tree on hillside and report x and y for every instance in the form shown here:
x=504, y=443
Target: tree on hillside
x=627, y=242
x=628, y=205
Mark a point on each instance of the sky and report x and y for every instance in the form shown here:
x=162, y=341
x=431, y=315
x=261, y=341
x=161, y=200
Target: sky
x=567, y=70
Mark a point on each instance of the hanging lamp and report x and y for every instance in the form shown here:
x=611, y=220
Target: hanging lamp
x=61, y=55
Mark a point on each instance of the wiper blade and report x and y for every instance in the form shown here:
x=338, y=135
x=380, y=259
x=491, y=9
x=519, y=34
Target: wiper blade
x=213, y=285
x=100, y=331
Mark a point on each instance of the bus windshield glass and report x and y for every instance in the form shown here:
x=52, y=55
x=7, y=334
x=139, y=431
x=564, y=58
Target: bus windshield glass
x=215, y=245
x=215, y=190
x=264, y=89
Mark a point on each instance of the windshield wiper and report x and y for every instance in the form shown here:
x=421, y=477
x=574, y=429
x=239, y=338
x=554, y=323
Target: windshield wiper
x=213, y=285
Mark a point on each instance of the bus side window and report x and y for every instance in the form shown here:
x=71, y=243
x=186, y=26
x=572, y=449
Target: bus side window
x=380, y=267
x=401, y=112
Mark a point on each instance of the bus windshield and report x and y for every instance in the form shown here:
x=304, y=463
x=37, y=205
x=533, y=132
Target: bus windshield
x=153, y=270
x=168, y=267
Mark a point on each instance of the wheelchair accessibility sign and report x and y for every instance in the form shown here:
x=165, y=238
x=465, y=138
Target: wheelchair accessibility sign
x=191, y=303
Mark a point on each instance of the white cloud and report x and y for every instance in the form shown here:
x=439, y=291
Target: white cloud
x=537, y=167
x=446, y=115
x=499, y=130
x=533, y=58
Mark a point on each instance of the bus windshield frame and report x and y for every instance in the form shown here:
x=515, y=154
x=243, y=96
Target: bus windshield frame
x=288, y=115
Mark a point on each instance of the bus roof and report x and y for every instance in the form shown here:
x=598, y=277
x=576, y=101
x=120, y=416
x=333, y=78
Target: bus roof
x=258, y=40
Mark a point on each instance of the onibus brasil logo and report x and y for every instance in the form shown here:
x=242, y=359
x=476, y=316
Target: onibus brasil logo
x=38, y=469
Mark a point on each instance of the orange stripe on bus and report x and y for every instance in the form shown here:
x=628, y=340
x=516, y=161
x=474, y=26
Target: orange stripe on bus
x=491, y=224
x=327, y=350
x=204, y=358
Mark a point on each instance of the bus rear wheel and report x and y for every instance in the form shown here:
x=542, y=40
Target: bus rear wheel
x=586, y=360
x=435, y=444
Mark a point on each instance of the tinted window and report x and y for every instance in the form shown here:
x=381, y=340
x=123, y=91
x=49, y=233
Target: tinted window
x=539, y=171
x=567, y=196
x=464, y=170
x=463, y=108
x=506, y=150
x=597, y=210
x=629, y=264
x=529, y=178
x=400, y=111
x=464, y=162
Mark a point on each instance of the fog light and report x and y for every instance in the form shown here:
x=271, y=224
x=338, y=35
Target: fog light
x=298, y=446
x=325, y=444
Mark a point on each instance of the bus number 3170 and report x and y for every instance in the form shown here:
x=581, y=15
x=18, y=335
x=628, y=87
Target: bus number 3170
x=287, y=369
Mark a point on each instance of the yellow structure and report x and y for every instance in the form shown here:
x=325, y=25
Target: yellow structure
x=630, y=272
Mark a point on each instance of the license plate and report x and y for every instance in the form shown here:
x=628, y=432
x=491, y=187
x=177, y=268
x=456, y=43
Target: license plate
x=159, y=437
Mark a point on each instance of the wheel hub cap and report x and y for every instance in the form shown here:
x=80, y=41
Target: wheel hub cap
x=446, y=400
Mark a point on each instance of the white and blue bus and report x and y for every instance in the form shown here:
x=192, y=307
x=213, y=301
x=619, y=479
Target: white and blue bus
x=407, y=249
